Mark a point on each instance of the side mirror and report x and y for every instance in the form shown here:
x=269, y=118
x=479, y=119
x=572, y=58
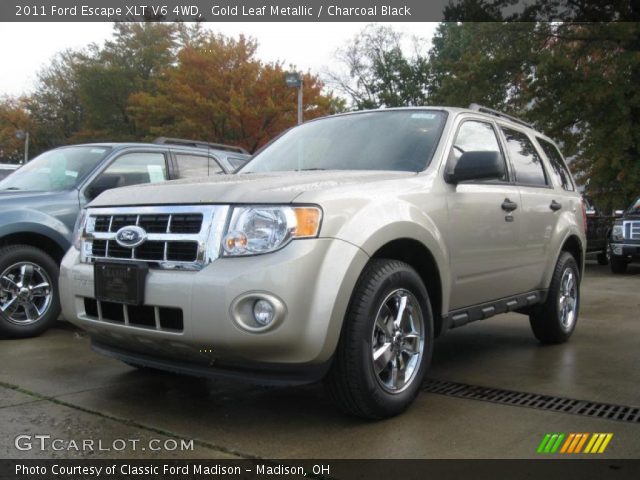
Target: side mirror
x=102, y=184
x=618, y=213
x=477, y=166
x=590, y=212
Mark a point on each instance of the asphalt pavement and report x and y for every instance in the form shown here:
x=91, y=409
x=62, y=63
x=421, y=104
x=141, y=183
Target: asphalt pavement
x=56, y=386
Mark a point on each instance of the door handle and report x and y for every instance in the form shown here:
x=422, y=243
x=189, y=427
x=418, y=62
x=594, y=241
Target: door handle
x=555, y=206
x=508, y=205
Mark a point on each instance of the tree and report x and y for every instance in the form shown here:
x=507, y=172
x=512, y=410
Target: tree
x=378, y=72
x=576, y=82
x=137, y=56
x=55, y=106
x=219, y=91
x=13, y=118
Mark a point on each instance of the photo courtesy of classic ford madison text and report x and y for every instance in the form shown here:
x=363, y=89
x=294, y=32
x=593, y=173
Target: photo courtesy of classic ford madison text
x=305, y=246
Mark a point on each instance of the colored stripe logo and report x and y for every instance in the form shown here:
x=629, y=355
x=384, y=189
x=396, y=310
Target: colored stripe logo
x=574, y=443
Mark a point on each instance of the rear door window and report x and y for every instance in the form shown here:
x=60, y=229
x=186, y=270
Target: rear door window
x=526, y=162
x=559, y=168
x=196, y=166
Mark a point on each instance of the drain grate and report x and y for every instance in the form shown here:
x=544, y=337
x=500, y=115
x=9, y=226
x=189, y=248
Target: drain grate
x=620, y=413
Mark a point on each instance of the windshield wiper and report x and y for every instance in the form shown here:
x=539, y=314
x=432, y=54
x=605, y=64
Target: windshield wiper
x=12, y=188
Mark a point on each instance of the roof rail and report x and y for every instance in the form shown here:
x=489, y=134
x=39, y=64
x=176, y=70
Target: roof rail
x=199, y=144
x=491, y=111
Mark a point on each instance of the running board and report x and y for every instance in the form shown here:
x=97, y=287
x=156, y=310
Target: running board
x=462, y=316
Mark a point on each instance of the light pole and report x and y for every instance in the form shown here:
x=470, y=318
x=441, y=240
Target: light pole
x=294, y=80
x=22, y=135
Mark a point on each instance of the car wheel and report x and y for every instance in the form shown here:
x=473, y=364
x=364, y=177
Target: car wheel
x=29, y=302
x=556, y=319
x=618, y=265
x=386, y=342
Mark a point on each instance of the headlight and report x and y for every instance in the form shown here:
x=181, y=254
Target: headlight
x=77, y=230
x=617, y=233
x=262, y=229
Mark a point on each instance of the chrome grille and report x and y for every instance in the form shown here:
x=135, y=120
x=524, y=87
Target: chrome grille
x=185, y=237
x=633, y=232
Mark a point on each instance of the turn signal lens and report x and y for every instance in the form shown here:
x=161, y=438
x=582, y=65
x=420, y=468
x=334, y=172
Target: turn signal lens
x=307, y=222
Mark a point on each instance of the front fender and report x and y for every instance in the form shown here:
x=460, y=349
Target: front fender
x=33, y=221
x=379, y=223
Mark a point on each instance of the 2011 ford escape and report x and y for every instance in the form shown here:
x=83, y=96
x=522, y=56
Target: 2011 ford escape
x=339, y=252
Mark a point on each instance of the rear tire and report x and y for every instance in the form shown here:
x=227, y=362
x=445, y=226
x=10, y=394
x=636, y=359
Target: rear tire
x=386, y=342
x=602, y=258
x=555, y=320
x=618, y=265
x=29, y=301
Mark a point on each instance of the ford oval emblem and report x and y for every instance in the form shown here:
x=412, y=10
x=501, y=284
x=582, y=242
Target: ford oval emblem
x=131, y=237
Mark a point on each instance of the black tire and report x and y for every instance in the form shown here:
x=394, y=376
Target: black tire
x=352, y=382
x=604, y=256
x=618, y=265
x=41, y=267
x=547, y=319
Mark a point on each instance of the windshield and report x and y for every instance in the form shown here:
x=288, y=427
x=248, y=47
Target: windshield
x=56, y=170
x=634, y=209
x=401, y=140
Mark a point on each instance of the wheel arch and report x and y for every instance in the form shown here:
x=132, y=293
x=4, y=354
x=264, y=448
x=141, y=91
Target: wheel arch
x=37, y=240
x=418, y=256
x=573, y=245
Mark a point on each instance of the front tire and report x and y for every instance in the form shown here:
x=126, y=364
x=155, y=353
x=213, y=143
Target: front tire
x=29, y=302
x=555, y=320
x=618, y=265
x=386, y=343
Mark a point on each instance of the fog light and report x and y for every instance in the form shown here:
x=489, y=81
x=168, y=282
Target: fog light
x=263, y=312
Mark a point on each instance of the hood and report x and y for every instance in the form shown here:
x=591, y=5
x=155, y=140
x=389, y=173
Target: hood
x=275, y=187
x=11, y=199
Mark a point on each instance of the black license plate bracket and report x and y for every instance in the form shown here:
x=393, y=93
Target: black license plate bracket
x=120, y=282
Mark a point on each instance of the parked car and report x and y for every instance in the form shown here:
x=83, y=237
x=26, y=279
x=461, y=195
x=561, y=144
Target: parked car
x=599, y=227
x=625, y=238
x=340, y=252
x=40, y=202
x=6, y=169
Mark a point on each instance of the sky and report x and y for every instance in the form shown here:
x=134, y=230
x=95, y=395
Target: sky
x=27, y=47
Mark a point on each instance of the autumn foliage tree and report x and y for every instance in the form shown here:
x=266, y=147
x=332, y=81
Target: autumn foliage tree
x=219, y=91
x=160, y=79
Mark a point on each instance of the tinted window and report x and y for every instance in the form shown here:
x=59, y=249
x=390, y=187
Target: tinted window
x=559, y=169
x=473, y=136
x=196, y=166
x=526, y=161
x=382, y=140
x=136, y=168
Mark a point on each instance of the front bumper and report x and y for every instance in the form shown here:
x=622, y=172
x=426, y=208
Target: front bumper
x=314, y=278
x=625, y=250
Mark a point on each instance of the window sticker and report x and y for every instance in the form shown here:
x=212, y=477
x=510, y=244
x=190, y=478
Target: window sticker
x=156, y=175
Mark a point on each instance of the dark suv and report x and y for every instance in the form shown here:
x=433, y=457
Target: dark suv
x=625, y=239
x=40, y=202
